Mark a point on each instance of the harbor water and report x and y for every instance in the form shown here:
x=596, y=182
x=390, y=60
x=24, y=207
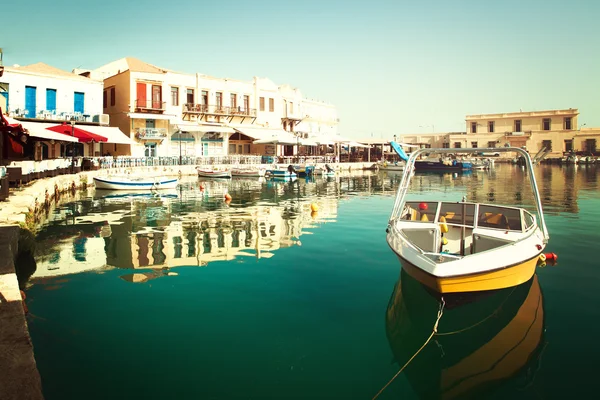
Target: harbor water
x=291, y=291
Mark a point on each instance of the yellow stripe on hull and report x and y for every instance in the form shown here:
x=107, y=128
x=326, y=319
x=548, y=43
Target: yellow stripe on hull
x=496, y=279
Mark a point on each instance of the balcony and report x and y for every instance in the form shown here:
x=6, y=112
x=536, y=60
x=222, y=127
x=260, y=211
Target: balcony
x=203, y=109
x=151, y=133
x=152, y=106
x=58, y=116
x=516, y=134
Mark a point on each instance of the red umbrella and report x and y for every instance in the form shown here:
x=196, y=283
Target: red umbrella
x=83, y=135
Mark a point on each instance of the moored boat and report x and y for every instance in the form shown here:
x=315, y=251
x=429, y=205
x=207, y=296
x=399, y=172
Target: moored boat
x=289, y=172
x=465, y=246
x=442, y=165
x=132, y=183
x=248, y=172
x=213, y=173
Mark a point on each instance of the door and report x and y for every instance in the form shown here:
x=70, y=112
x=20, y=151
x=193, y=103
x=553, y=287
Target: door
x=51, y=99
x=156, y=97
x=140, y=101
x=4, y=101
x=78, y=105
x=30, y=98
x=204, y=148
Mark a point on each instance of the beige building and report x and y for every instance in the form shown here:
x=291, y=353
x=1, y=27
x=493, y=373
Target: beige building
x=557, y=130
x=553, y=129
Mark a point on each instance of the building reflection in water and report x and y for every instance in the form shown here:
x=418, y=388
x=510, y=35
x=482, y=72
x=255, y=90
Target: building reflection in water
x=192, y=226
x=485, y=340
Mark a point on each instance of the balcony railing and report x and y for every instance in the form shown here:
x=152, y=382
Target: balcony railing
x=151, y=133
x=219, y=110
x=58, y=115
x=150, y=105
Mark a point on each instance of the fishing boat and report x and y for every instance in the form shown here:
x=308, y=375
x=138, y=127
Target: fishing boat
x=248, y=172
x=213, y=173
x=465, y=246
x=442, y=164
x=487, y=343
x=289, y=172
x=133, y=183
x=326, y=170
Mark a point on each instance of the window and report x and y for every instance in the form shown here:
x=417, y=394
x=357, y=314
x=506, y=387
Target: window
x=261, y=104
x=113, y=97
x=568, y=145
x=568, y=125
x=232, y=148
x=271, y=105
x=445, y=145
x=233, y=100
x=457, y=145
x=473, y=127
x=204, y=98
x=517, y=125
x=491, y=126
x=219, y=99
x=246, y=102
x=174, y=96
x=157, y=103
x=189, y=96
x=474, y=145
x=546, y=124
x=491, y=144
x=104, y=99
x=547, y=144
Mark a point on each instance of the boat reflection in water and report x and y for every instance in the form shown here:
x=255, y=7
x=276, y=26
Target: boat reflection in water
x=484, y=339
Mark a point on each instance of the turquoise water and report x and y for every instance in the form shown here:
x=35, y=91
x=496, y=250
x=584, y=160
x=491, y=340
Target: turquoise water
x=184, y=296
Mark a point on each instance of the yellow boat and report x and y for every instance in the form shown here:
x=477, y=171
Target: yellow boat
x=463, y=246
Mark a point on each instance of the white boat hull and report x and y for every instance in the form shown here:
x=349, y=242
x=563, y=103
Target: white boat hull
x=135, y=184
x=251, y=173
x=214, y=174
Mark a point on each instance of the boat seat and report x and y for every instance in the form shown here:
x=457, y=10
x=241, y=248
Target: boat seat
x=491, y=220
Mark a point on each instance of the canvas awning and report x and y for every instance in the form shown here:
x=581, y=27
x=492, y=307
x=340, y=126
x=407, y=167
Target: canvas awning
x=268, y=136
x=203, y=128
x=113, y=134
x=39, y=130
x=83, y=136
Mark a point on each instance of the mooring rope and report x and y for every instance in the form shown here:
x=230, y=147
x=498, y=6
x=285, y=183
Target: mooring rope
x=433, y=332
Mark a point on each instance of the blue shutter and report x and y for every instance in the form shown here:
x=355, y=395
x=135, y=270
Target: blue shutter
x=51, y=99
x=30, y=99
x=79, y=102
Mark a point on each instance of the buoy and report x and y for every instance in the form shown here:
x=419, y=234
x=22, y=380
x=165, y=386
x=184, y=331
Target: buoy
x=314, y=207
x=551, y=256
x=444, y=241
x=423, y=206
x=314, y=214
x=227, y=197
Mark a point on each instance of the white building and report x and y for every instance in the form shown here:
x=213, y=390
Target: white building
x=41, y=96
x=170, y=113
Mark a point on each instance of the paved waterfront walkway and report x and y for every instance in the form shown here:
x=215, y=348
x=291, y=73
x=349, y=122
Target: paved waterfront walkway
x=19, y=377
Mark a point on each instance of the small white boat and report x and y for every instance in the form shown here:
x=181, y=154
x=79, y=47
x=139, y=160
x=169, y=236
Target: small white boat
x=213, y=173
x=464, y=246
x=326, y=170
x=288, y=172
x=132, y=183
x=248, y=172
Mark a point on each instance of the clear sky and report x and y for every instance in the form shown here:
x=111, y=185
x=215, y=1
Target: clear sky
x=390, y=66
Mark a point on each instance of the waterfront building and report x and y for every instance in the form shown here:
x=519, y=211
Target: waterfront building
x=41, y=96
x=532, y=130
x=170, y=113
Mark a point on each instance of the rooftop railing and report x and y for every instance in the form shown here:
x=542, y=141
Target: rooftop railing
x=219, y=110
